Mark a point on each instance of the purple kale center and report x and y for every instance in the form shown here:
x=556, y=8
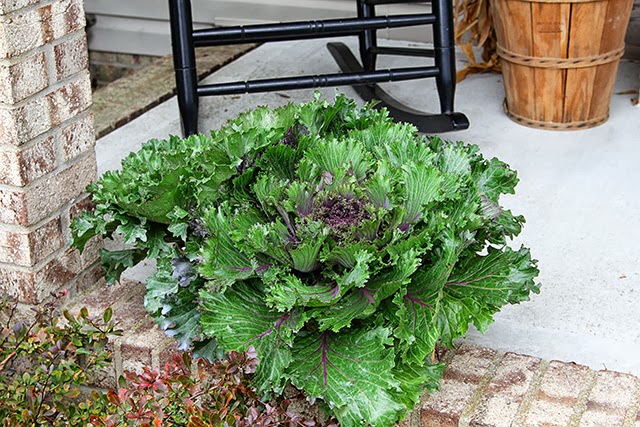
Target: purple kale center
x=341, y=213
x=197, y=227
x=291, y=137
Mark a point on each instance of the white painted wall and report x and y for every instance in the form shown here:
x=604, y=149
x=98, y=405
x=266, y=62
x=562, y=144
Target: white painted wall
x=141, y=26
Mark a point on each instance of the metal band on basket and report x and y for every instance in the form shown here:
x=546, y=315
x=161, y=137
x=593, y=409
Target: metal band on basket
x=559, y=63
x=538, y=124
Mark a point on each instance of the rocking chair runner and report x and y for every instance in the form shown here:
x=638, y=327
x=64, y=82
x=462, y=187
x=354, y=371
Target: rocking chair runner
x=363, y=77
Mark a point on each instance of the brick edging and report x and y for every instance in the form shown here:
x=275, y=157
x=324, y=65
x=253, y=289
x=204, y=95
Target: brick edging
x=486, y=388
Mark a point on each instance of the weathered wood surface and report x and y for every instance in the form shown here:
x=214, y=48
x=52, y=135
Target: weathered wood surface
x=618, y=12
x=586, y=19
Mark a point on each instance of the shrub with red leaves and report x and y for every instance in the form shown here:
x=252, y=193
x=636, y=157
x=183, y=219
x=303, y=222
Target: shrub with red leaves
x=197, y=393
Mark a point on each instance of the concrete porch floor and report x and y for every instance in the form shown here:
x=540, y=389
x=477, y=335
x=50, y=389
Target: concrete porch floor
x=578, y=192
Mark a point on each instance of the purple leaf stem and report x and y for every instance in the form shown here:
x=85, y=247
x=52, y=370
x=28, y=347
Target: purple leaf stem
x=324, y=348
x=417, y=301
x=366, y=293
x=285, y=216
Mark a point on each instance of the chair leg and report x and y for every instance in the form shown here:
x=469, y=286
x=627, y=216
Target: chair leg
x=184, y=62
x=367, y=38
x=444, y=46
x=428, y=123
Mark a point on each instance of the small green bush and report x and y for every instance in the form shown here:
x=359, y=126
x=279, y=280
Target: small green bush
x=44, y=364
x=46, y=361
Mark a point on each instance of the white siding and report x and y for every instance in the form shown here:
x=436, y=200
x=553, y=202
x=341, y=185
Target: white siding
x=141, y=26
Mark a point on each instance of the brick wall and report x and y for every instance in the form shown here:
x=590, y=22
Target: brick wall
x=47, y=153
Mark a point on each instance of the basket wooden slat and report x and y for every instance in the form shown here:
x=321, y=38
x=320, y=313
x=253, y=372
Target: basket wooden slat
x=586, y=19
x=616, y=22
x=518, y=39
x=560, y=59
x=550, y=27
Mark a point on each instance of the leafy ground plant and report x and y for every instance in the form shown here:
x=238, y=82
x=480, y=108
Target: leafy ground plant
x=342, y=246
x=212, y=394
x=46, y=362
x=43, y=365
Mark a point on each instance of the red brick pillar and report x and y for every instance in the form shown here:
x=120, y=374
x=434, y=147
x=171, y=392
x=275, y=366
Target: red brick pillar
x=47, y=155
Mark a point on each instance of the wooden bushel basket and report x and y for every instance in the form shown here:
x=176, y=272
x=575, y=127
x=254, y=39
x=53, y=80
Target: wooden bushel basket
x=559, y=59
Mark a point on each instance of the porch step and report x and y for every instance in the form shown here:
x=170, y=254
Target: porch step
x=480, y=388
x=142, y=343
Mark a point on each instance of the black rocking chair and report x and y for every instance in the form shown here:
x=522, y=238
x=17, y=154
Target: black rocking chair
x=363, y=77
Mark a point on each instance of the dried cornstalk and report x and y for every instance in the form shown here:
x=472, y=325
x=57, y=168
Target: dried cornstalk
x=474, y=29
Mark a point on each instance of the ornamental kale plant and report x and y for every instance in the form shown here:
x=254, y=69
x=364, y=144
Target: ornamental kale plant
x=342, y=246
